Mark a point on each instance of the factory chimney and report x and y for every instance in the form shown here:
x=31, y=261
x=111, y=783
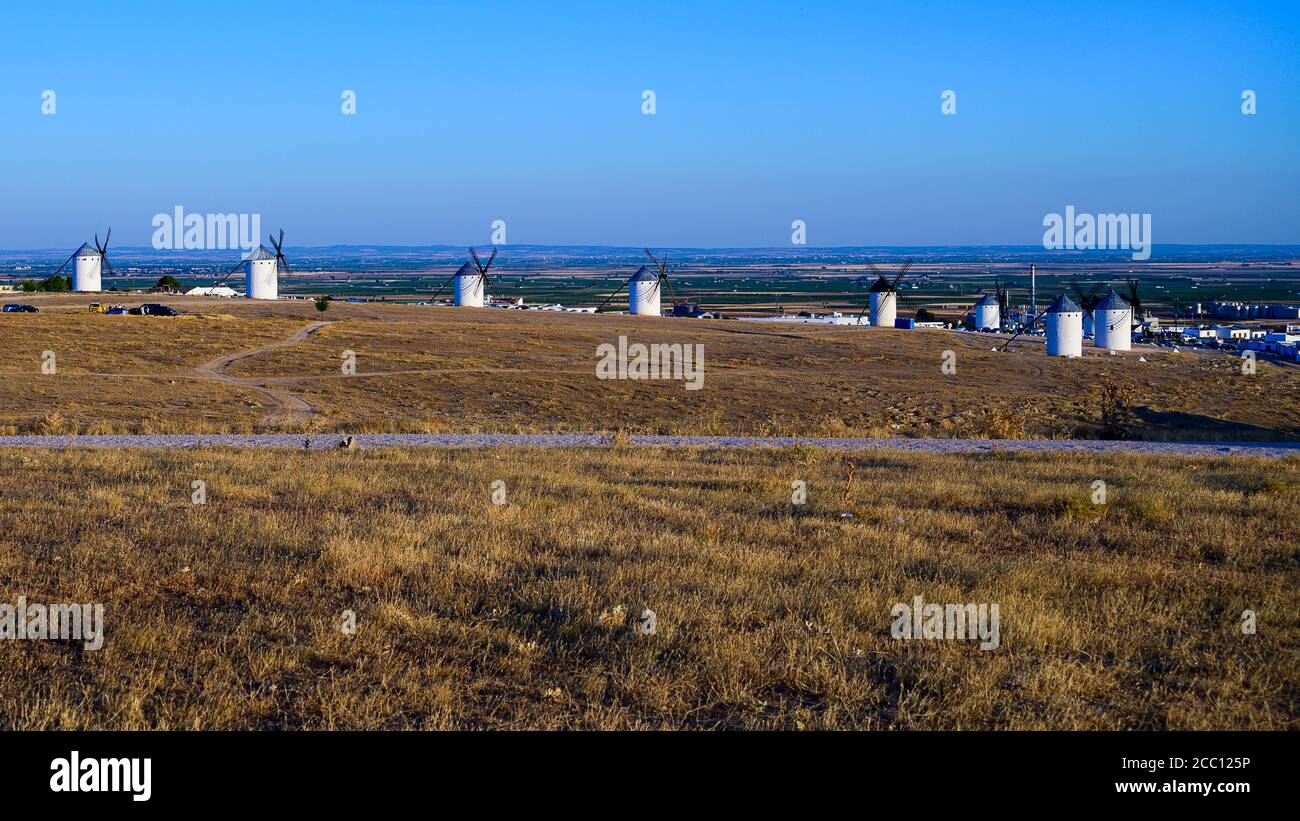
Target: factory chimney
x=1033, y=289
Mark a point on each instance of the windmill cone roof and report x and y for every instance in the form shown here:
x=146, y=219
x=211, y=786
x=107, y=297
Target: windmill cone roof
x=466, y=270
x=1062, y=305
x=1113, y=302
x=262, y=252
x=87, y=250
x=882, y=286
x=986, y=301
x=644, y=274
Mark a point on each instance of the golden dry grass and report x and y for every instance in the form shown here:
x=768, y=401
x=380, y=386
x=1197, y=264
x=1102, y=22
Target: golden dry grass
x=462, y=370
x=470, y=615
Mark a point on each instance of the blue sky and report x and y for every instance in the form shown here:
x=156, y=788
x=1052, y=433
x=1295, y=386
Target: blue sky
x=766, y=113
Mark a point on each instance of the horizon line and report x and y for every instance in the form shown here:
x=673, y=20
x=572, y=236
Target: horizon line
x=694, y=248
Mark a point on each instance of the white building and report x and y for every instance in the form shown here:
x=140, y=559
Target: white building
x=1112, y=323
x=1064, y=328
x=988, y=314
x=468, y=286
x=643, y=297
x=883, y=304
x=86, y=269
x=263, y=278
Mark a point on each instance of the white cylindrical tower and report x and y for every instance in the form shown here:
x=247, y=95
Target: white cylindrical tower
x=86, y=270
x=469, y=287
x=1064, y=328
x=882, y=304
x=263, y=278
x=643, y=298
x=1113, y=323
x=988, y=315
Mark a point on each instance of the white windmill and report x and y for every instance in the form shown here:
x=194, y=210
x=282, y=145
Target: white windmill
x=262, y=280
x=471, y=281
x=645, y=288
x=882, y=299
x=1064, y=328
x=1112, y=322
x=988, y=314
x=90, y=264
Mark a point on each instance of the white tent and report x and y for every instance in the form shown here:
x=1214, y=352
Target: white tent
x=220, y=290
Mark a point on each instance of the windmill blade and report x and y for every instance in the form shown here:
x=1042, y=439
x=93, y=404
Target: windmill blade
x=104, y=263
x=277, y=245
x=491, y=258
x=662, y=266
x=1017, y=334
x=444, y=285
x=1134, y=299
x=283, y=263
x=65, y=263
x=239, y=265
x=473, y=255
x=893, y=286
x=898, y=303
x=487, y=282
x=863, y=312
x=616, y=290
x=664, y=280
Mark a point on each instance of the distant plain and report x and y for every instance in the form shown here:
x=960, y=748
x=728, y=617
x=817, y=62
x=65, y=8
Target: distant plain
x=440, y=369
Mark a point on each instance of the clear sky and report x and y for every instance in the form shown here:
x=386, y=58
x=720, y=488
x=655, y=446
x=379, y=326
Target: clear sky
x=765, y=113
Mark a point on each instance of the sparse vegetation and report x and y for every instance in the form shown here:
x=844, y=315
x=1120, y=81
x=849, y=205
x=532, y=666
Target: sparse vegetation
x=227, y=615
x=436, y=370
x=50, y=283
x=1113, y=401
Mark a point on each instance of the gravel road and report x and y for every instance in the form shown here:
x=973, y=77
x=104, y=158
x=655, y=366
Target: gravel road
x=1272, y=450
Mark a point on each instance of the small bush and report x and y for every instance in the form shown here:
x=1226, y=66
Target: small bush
x=1114, y=400
x=1079, y=508
x=1145, y=508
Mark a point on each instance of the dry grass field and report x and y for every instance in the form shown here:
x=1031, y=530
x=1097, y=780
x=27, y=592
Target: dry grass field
x=228, y=614
x=422, y=369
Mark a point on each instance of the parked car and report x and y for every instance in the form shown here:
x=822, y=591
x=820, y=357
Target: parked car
x=116, y=310
x=19, y=309
x=96, y=308
x=153, y=309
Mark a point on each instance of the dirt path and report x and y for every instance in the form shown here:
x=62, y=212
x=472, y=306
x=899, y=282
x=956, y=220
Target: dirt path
x=288, y=407
x=1270, y=450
